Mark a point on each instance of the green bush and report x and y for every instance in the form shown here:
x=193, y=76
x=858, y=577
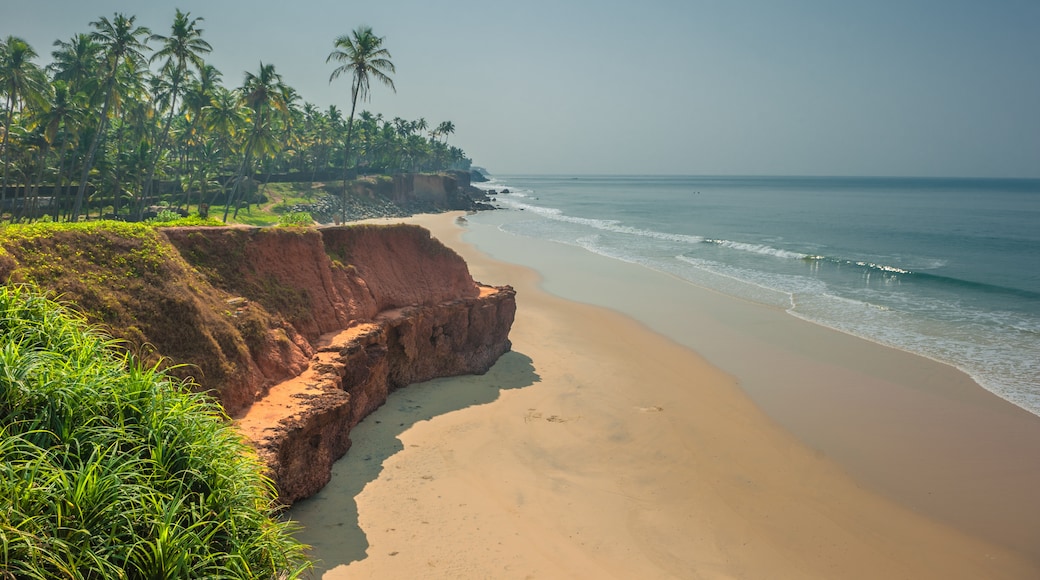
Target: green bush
x=110, y=470
x=166, y=215
x=296, y=219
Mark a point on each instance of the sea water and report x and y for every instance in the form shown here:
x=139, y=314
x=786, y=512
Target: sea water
x=944, y=268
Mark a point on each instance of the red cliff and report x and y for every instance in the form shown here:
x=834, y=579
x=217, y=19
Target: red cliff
x=374, y=307
x=299, y=332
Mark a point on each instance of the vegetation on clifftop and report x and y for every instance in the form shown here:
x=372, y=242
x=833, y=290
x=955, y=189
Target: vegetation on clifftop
x=111, y=470
x=124, y=119
x=127, y=277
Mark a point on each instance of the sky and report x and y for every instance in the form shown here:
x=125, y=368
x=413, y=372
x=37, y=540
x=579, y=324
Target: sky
x=693, y=87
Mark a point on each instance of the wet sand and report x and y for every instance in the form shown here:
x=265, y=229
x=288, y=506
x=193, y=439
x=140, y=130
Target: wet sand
x=601, y=448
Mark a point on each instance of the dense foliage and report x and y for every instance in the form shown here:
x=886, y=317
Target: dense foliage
x=110, y=470
x=123, y=118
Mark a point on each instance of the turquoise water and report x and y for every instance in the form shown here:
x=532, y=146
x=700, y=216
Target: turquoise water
x=945, y=268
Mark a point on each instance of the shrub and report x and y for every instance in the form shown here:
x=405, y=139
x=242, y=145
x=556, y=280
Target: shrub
x=166, y=215
x=296, y=219
x=111, y=470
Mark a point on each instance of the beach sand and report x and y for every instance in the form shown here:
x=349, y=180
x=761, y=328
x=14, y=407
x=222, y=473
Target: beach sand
x=601, y=448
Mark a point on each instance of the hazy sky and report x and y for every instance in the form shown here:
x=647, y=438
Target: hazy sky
x=883, y=87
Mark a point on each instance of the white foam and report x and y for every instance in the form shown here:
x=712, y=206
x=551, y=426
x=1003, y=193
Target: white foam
x=882, y=267
x=606, y=225
x=976, y=345
x=993, y=347
x=761, y=249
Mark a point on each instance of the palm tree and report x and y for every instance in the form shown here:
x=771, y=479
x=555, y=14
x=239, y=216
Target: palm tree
x=368, y=127
x=291, y=126
x=135, y=130
x=23, y=82
x=420, y=125
x=184, y=47
x=446, y=128
x=361, y=55
x=402, y=126
x=64, y=115
x=224, y=118
x=120, y=42
x=76, y=62
x=261, y=92
x=197, y=96
x=61, y=111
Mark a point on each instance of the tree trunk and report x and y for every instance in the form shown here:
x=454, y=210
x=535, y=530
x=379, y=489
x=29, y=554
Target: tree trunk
x=60, y=179
x=32, y=194
x=233, y=195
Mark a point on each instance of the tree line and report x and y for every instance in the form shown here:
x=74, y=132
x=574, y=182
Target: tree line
x=122, y=116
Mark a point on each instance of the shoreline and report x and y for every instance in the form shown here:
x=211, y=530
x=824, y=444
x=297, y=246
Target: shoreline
x=579, y=472
x=910, y=427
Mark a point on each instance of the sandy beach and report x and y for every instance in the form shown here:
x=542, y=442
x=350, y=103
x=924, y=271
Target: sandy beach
x=719, y=440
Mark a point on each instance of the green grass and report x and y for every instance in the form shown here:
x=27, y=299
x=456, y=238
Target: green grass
x=166, y=220
x=285, y=195
x=112, y=470
x=296, y=219
x=253, y=216
x=281, y=198
x=129, y=278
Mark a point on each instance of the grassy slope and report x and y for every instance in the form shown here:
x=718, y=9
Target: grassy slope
x=111, y=470
x=128, y=278
x=280, y=198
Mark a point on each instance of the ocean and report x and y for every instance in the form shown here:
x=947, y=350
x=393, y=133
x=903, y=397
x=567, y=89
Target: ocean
x=945, y=268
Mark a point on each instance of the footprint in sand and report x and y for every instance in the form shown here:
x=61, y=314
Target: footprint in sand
x=532, y=414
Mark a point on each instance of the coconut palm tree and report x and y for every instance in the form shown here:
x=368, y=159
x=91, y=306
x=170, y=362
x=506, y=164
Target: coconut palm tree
x=446, y=128
x=420, y=125
x=197, y=96
x=224, y=119
x=76, y=62
x=361, y=55
x=291, y=126
x=24, y=83
x=135, y=110
x=61, y=121
x=61, y=109
x=121, y=42
x=184, y=47
x=263, y=93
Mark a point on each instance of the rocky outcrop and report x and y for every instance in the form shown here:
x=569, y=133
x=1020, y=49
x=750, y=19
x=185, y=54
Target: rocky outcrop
x=300, y=333
x=450, y=190
x=382, y=196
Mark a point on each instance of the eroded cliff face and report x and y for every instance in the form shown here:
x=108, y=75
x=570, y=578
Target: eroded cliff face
x=371, y=309
x=300, y=333
x=303, y=425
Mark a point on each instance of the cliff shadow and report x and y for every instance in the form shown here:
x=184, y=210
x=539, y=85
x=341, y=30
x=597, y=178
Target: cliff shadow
x=330, y=518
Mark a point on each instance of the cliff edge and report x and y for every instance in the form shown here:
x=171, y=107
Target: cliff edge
x=299, y=333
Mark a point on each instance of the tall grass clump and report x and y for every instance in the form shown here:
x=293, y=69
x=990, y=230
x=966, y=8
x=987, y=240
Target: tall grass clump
x=111, y=470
